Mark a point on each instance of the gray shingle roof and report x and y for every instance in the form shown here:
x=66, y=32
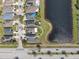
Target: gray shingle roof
x=31, y=9
x=7, y=24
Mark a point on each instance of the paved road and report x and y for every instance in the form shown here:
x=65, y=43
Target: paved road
x=23, y=53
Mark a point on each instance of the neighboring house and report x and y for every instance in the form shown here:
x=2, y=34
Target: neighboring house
x=30, y=15
x=32, y=6
x=8, y=10
x=8, y=31
x=8, y=2
x=32, y=40
x=8, y=14
x=7, y=38
x=33, y=3
x=31, y=30
x=32, y=9
x=7, y=23
x=8, y=34
x=30, y=3
x=28, y=22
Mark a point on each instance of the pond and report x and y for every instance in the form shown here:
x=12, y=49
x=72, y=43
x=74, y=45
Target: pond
x=59, y=13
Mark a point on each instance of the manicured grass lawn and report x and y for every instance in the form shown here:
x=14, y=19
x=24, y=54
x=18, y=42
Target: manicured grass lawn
x=0, y=7
x=1, y=31
x=6, y=45
x=75, y=24
x=1, y=28
x=45, y=25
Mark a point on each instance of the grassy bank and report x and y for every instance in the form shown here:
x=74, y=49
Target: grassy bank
x=45, y=25
x=6, y=45
x=75, y=24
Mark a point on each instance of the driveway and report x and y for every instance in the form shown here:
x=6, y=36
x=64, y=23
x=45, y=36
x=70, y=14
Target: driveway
x=20, y=34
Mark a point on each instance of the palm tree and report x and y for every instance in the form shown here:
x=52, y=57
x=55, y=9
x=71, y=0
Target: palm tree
x=77, y=4
x=40, y=58
x=64, y=52
x=39, y=47
x=34, y=53
x=72, y=53
x=16, y=57
x=62, y=57
x=77, y=52
x=49, y=52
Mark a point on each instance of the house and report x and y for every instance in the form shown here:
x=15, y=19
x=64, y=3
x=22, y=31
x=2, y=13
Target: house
x=31, y=14
x=32, y=6
x=8, y=31
x=8, y=10
x=7, y=38
x=31, y=30
x=8, y=2
x=32, y=9
x=28, y=22
x=7, y=23
x=8, y=34
x=32, y=39
x=33, y=3
x=8, y=16
x=30, y=2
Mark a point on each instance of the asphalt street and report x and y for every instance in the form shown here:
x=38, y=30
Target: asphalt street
x=11, y=53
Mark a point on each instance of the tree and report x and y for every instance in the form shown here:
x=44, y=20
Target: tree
x=72, y=53
x=62, y=57
x=77, y=52
x=16, y=58
x=49, y=52
x=77, y=4
x=39, y=47
x=40, y=58
x=34, y=53
x=63, y=52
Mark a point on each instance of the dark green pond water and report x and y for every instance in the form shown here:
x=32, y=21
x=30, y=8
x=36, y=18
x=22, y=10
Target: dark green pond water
x=59, y=13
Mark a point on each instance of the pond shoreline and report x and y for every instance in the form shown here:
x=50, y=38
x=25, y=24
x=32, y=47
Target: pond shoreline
x=60, y=16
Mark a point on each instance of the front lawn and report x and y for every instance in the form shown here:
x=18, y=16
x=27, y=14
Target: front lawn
x=8, y=45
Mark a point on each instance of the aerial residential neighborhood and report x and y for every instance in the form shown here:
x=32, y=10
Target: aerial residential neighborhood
x=19, y=18
x=39, y=29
